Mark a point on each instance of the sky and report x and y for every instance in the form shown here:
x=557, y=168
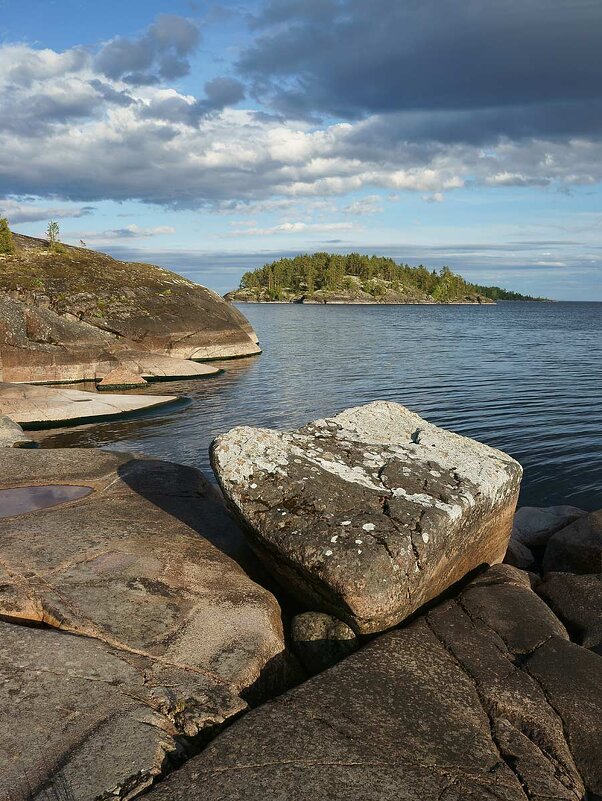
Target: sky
x=213, y=137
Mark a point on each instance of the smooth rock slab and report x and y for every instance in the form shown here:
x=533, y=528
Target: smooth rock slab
x=43, y=406
x=132, y=569
x=452, y=707
x=104, y=722
x=370, y=514
x=576, y=548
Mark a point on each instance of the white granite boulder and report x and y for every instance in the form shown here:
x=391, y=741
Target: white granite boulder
x=370, y=514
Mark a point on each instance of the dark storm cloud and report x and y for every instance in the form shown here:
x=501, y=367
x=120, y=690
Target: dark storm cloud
x=219, y=93
x=161, y=53
x=460, y=70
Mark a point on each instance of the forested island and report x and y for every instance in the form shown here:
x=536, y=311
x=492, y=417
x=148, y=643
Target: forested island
x=354, y=278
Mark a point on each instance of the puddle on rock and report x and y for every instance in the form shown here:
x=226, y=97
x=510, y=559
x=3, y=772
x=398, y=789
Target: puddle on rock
x=20, y=500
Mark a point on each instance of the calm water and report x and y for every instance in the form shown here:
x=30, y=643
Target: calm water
x=526, y=378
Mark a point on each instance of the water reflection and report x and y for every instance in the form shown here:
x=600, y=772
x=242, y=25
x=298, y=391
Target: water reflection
x=19, y=500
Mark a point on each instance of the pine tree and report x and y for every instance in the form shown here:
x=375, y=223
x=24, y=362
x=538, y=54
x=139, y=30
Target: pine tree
x=7, y=244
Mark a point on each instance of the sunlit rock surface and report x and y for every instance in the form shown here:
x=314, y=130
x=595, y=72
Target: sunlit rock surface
x=372, y=513
x=482, y=699
x=41, y=406
x=172, y=634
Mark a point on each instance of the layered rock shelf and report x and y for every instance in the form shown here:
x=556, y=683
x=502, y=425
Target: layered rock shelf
x=141, y=650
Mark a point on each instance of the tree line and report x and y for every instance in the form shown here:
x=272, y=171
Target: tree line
x=306, y=273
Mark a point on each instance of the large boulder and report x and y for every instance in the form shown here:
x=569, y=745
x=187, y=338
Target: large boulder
x=577, y=600
x=132, y=569
x=576, y=548
x=483, y=698
x=370, y=514
x=67, y=314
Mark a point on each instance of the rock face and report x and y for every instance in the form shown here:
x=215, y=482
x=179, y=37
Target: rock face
x=482, y=698
x=372, y=513
x=577, y=601
x=172, y=633
x=320, y=641
x=39, y=406
x=11, y=434
x=69, y=315
x=576, y=548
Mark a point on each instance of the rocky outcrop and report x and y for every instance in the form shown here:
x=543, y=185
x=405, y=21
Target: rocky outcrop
x=577, y=601
x=42, y=407
x=383, y=293
x=370, y=514
x=172, y=634
x=11, y=434
x=320, y=640
x=533, y=525
x=482, y=698
x=72, y=314
x=576, y=548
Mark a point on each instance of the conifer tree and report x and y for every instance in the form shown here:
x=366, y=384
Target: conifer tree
x=7, y=244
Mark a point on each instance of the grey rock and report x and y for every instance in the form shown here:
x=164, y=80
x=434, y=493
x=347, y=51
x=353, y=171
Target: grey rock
x=370, y=514
x=518, y=555
x=577, y=601
x=11, y=434
x=106, y=722
x=484, y=698
x=534, y=525
x=320, y=640
x=576, y=548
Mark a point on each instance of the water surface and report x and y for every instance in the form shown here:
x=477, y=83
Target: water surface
x=523, y=377
x=20, y=500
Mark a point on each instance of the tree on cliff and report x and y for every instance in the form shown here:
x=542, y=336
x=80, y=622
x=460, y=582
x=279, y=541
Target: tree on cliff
x=53, y=233
x=7, y=244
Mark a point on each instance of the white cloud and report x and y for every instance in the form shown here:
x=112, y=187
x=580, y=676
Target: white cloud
x=68, y=131
x=18, y=211
x=129, y=232
x=293, y=228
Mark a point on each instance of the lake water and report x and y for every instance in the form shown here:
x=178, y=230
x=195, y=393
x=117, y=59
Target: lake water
x=523, y=377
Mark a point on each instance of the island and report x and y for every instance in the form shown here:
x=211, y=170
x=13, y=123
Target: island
x=355, y=278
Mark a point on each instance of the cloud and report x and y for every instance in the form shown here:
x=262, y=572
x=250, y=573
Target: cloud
x=129, y=232
x=371, y=204
x=468, y=71
x=161, y=53
x=67, y=131
x=293, y=228
x=18, y=212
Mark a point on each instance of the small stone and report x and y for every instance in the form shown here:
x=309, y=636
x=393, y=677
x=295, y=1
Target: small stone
x=320, y=640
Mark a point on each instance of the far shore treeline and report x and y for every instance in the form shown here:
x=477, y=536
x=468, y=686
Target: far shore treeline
x=308, y=273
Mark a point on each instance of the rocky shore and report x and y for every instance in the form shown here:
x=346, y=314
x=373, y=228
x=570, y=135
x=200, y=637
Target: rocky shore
x=361, y=614
x=71, y=314
x=388, y=295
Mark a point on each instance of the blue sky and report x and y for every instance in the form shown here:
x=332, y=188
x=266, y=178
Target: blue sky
x=212, y=137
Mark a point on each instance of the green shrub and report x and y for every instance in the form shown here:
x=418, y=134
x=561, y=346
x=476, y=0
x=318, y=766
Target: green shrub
x=7, y=244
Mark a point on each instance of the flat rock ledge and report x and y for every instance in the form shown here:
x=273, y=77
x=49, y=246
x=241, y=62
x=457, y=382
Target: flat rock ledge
x=41, y=406
x=370, y=514
x=484, y=698
x=127, y=637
